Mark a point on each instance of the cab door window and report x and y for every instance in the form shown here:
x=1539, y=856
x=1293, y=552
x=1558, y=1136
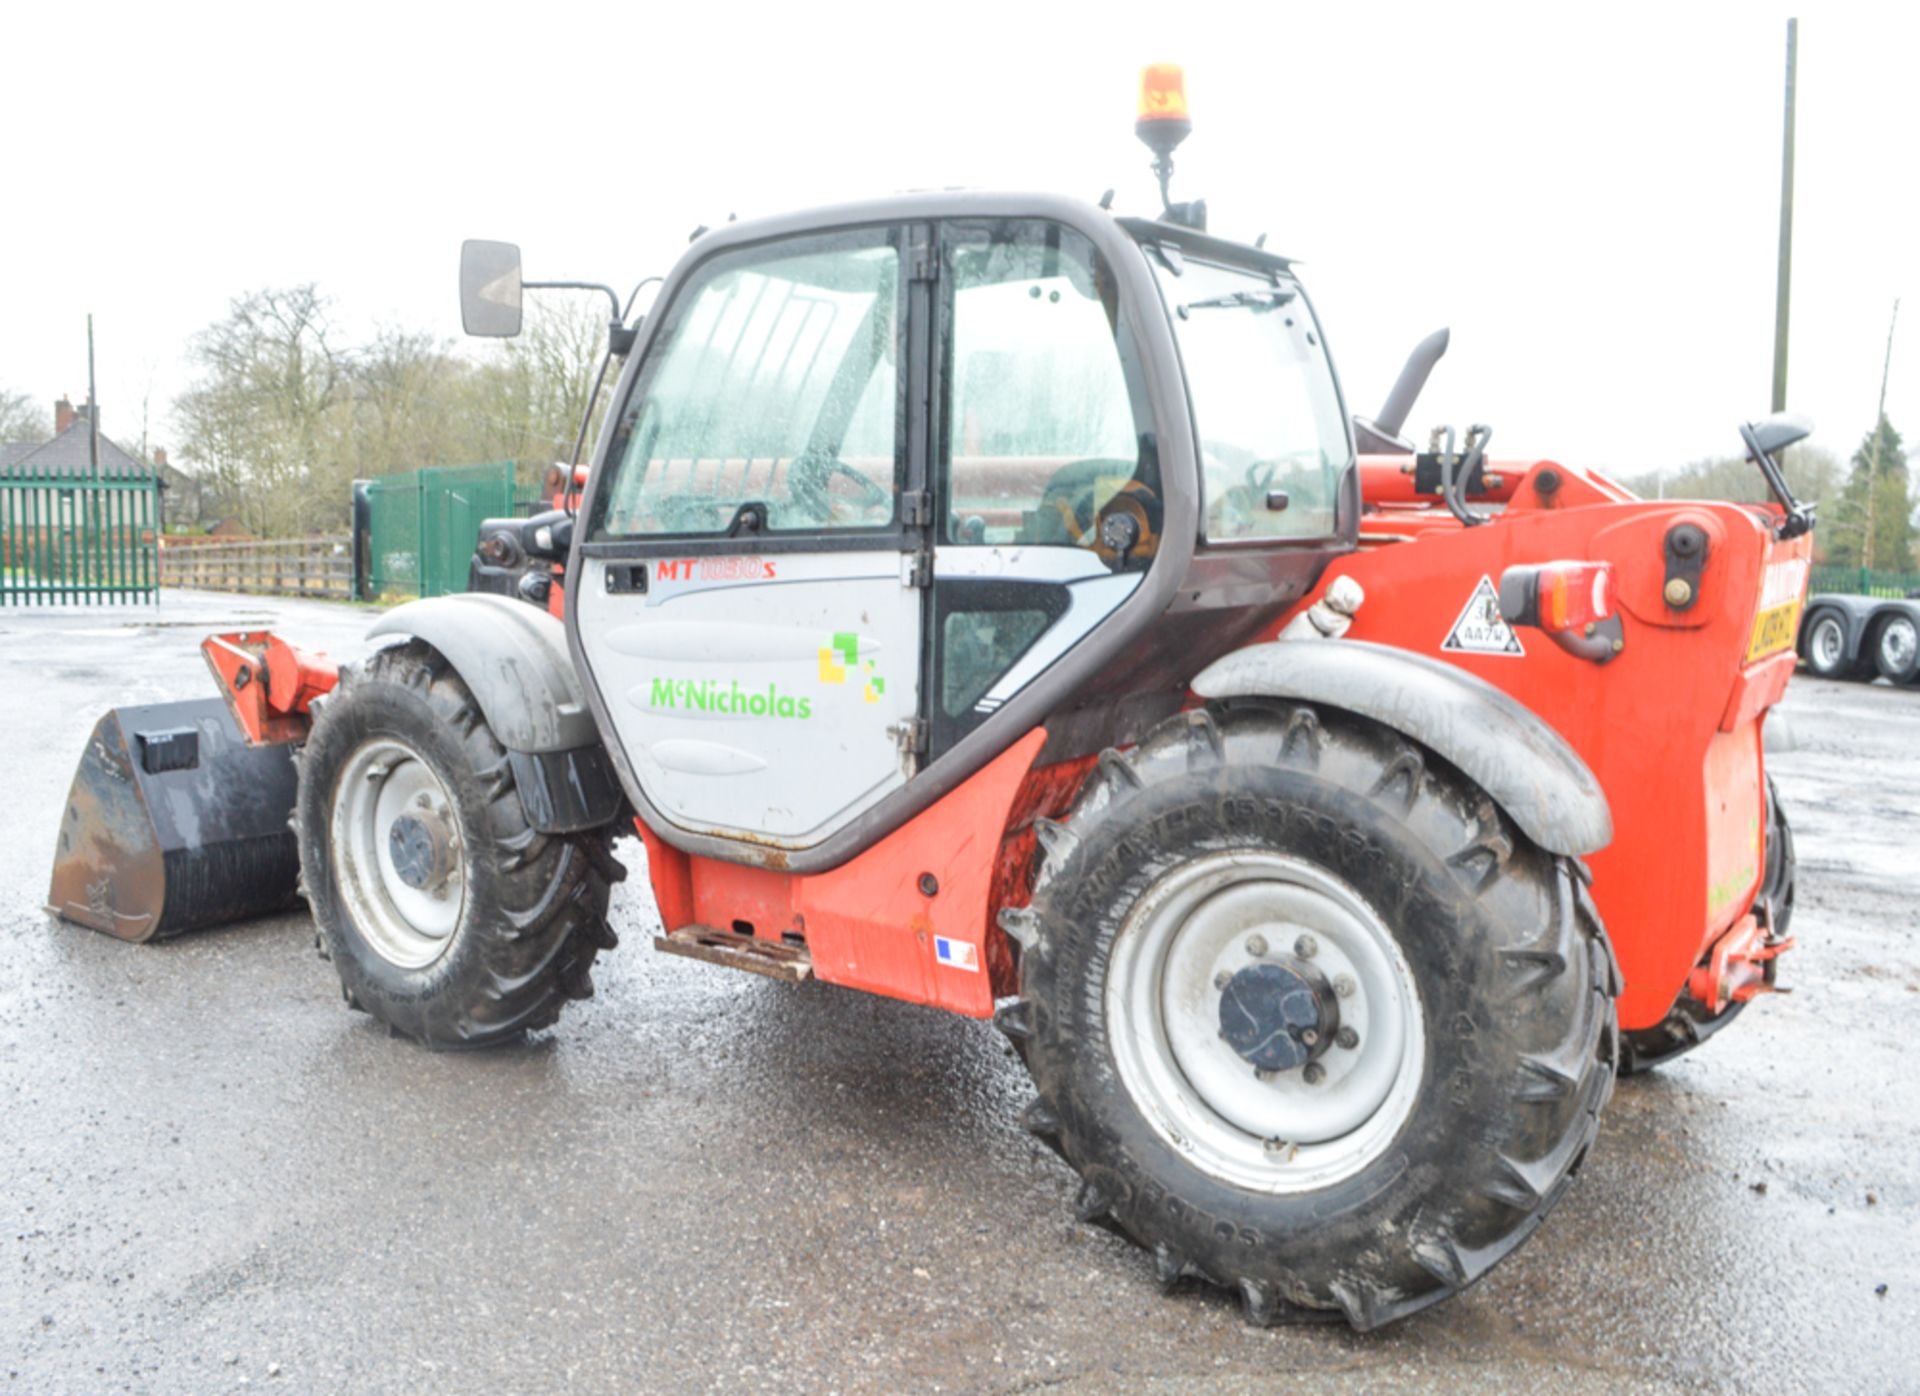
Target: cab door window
x=1044, y=434
x=771, y=400
x=1048, y=506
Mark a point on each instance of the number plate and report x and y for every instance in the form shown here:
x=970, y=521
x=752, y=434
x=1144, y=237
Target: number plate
x=1774, y=630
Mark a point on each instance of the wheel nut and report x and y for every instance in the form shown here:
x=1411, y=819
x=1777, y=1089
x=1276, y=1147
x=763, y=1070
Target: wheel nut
x=1221, y=980
x=1343, y=985
x=1306, y=947
x=1256, y=946
x=1347, y=1038
x=1309, y=1037
x=1313, y=1073
x=1262, y=1074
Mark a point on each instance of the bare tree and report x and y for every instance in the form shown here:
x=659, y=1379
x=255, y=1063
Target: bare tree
x=21, y=418
x=257, y=419
x=282, y=418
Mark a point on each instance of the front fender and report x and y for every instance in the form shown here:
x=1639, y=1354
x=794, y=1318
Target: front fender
x=513, y=657
x=1504, y=747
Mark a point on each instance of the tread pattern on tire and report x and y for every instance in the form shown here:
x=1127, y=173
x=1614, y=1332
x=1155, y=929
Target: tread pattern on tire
x=529, y=947
x=1562, y=1075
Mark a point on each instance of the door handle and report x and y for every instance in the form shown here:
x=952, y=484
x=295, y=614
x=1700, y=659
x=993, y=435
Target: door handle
x=626, y=578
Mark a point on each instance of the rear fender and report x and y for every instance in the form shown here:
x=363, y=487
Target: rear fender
x=1505, y=748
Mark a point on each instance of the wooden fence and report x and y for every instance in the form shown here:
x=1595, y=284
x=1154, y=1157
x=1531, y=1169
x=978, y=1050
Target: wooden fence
x=320, y=567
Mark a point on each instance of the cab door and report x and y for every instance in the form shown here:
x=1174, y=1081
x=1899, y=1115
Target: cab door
x=1046, y=472
x=751, y=590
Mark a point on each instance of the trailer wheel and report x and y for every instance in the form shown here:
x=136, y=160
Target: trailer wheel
x=1688, y=1024
x=448, y=918
x=1896, y=649
x=1313, y=1021
x=1826, y=648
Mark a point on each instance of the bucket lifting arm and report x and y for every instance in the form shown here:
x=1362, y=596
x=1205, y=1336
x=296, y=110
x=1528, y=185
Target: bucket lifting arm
x=268, y=683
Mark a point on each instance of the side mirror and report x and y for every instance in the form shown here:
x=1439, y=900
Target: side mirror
x=1779, y=431
x=490, y=288
x=1762, y=439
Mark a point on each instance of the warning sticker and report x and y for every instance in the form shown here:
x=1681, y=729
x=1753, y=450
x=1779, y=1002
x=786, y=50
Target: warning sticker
x=1481, y=629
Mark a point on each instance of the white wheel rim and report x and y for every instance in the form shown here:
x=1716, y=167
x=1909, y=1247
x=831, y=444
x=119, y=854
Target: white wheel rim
x=1897, y=643
x=1827, y=643
x=408, y=919
x=1279, y=1131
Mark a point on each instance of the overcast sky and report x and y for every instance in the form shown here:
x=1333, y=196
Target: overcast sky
x=1586, y=194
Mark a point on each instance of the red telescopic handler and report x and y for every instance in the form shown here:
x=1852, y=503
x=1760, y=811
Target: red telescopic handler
x=988, y=600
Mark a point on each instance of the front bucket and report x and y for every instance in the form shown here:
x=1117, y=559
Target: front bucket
x=174, y=824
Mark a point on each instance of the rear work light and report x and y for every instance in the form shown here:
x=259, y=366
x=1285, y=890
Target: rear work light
x=1573, y=602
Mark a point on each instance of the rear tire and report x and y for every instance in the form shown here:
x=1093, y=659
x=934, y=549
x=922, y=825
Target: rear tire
x=447, y=916
x=1345, y=832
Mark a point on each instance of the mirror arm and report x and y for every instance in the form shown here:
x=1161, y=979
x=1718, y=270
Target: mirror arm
x=1799, y=517
x=612, y=296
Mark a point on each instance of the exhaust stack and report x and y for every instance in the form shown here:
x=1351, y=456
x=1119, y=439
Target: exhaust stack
x=1380, y=435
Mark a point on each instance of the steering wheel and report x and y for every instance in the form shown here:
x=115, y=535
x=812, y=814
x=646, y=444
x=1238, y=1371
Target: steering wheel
x=1065, y=514
x=810, y=474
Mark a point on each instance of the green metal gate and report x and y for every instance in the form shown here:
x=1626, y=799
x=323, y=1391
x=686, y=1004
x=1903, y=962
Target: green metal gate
x=72, y=538
x=1863, y=581
x=422, y=525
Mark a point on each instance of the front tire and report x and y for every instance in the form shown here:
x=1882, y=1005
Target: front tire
x=447, y=916
x=1311, y=876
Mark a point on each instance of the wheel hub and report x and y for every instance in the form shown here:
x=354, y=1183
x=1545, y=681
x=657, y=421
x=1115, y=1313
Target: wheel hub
x=397, y=853
x=1827, y=643
x=1898, y=643
x=1272, y=1030
x=421, y=849
x=1278, y=1017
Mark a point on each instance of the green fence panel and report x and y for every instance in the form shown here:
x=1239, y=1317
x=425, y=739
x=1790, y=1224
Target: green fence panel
x=77, y=539
x=1865, y=581
x=422, y=525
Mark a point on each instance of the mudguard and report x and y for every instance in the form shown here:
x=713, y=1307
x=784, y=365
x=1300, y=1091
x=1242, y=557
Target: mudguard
x=1504, y=747
x=514, y=659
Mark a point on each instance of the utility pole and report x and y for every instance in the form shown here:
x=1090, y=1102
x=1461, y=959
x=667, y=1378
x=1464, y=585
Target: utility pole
x=1784, y=284
x=93, y=405
x=1873, y=449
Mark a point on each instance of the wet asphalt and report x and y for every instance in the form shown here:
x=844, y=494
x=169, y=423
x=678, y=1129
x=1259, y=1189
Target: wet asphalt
x=215, y=1176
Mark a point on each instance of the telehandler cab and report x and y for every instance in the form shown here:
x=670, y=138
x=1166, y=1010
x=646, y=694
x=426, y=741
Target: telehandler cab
x=955, y=603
